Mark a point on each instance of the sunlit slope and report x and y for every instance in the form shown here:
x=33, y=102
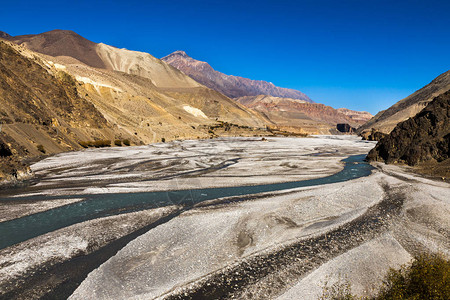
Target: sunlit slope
x=386, y=120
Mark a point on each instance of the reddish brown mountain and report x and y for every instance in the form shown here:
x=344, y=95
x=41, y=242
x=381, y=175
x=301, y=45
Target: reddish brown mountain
x=310, y=117
x=62, y=43
x=231, y=86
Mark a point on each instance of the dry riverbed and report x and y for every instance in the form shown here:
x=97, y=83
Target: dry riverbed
x=282, y=244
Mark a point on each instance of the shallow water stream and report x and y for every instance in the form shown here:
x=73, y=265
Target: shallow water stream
x=101, y=205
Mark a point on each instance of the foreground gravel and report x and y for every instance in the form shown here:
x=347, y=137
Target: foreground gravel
x=272, y=245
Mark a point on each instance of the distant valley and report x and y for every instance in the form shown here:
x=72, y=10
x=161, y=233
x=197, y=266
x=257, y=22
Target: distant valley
x=287, y=109
x=80, y=93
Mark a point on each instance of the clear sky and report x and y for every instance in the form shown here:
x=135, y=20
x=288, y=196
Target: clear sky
x=359, y=54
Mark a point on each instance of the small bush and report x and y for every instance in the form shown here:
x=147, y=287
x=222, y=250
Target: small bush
x=118, y=143
x=163, y=140
x=102, y=143
x=126, y=142
x=428, y=277
x=66, y=78
x=85, y=144
x=41, y=148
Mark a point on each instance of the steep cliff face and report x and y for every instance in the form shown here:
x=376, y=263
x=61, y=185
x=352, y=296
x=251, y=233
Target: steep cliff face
x=32, y=95
x=231, y=86
x=386, y=120
x=420, y=139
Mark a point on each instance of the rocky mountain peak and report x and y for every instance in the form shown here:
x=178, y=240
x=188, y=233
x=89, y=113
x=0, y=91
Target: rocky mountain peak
x=179, y=53
x=4, y=35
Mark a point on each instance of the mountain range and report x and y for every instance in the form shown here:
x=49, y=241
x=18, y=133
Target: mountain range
x=231, y=86
x=61, y=92
x=288, y=109
x=60, y=102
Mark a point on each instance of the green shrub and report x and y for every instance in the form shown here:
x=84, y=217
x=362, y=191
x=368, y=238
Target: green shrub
x=118, y=143
x=84, y=144
x=163, y=140
x=41, y=148
x=428, y=277
x=126, y=142
x=66, y=78
x=102, y=143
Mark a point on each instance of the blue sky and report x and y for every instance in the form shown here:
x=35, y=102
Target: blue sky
x=359, y=54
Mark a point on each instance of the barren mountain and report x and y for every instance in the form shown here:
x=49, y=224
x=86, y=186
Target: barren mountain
x=288, y=109
x=308, y=117
x=52, y=104
x=357, y=116
x=408, y=107
x=104, y=68
x=67, y=44
x=231, y=86
x=62, y=43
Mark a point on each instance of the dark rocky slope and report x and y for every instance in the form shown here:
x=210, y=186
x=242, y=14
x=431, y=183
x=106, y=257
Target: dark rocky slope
x=422, y=139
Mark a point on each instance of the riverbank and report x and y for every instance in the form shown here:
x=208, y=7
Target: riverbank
x=285, y=245
x=218, y=241
x=65, y=179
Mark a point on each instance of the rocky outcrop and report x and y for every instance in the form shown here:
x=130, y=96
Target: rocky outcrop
x=345, y=128
x=231, y=86
x=373, y=135
x=386, y=120
x=423, y=138
x=4, y=150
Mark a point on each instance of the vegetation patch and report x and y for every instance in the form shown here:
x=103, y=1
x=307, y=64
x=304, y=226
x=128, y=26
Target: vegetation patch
x=41, y=148
x=427, y=277
x=4, y=150
x=96, y=144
